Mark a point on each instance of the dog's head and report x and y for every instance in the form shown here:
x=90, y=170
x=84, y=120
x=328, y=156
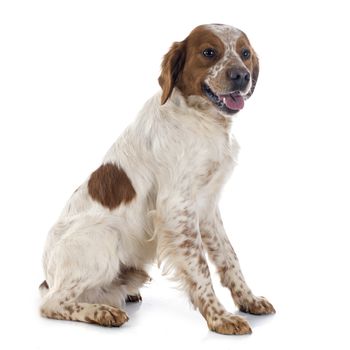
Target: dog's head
x=215, y=62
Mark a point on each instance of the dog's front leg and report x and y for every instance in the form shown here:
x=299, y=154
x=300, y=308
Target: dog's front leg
x=220, y=251
x=181, y=251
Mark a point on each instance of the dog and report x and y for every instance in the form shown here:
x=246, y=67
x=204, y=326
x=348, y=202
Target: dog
x=155, y=196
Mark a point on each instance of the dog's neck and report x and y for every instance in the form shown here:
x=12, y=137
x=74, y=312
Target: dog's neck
x=200, y=109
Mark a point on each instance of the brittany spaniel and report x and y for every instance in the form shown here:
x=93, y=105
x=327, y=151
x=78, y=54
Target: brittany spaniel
x=155, y=196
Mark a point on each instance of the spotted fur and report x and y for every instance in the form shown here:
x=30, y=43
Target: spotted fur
x=155, y=198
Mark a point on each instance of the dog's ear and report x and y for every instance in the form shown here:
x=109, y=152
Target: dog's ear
x=172, y=66
x=255, y=73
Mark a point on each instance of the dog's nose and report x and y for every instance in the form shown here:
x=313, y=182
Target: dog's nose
x=240, y=77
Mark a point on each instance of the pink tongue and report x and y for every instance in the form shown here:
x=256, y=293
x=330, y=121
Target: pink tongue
x=234, y=102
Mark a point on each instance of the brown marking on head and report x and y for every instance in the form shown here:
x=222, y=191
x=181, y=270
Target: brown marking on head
x=252, y=63
x=185, y=66
x=110, y=186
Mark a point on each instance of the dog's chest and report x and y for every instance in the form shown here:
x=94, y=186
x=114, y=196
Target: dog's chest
x=213, y=173
x=212, y=165
x=208, y=172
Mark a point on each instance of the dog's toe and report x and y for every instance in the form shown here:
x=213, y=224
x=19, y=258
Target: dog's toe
x=258, y=306
x=229, y=324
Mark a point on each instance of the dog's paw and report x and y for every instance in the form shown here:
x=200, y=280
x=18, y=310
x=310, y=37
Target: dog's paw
x=229, y=324
x=257, y=306
x=107, y=316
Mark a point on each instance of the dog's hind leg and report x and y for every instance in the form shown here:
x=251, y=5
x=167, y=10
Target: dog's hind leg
x=62, y=305
x=99, y=305
x=84, y=259
x=134, y=279
x=124, y=288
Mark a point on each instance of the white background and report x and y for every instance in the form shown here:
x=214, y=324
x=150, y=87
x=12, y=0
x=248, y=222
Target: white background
x=73, y=74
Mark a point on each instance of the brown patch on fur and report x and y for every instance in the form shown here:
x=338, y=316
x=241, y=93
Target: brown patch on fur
x=55, y=315
x=238, y=293
x=252, y=63
x=191, y=284
x=185, y=67
x=188, y=253
x=70, y=308
x=187, y=244
x=110, y=186
x=202, y=262
x=222, y=270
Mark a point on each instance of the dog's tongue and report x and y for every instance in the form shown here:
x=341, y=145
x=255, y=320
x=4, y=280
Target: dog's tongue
x=233, y=102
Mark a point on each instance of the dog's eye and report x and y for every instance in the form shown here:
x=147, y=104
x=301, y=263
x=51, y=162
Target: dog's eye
x=245, y=54
x=210, y=53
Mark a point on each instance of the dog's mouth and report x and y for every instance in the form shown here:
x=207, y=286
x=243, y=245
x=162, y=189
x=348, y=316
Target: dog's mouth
x=230, y=103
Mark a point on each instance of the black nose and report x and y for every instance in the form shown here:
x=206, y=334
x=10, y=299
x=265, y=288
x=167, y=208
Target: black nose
x=239, y=77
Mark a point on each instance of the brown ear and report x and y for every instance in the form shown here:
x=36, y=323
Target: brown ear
x=172, y=66
x=255, y=73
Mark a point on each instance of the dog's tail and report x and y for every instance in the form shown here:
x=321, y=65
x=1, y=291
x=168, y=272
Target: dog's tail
x=43, y=288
